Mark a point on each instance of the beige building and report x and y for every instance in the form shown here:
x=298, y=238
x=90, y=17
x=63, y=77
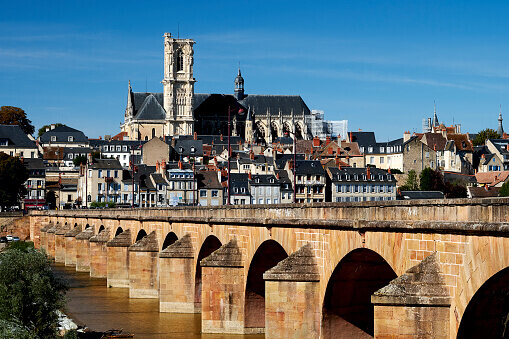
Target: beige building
x=155, y=150
x=14, y=142
x=102, y=182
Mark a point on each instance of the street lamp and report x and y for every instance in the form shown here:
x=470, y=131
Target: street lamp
x=241, y=112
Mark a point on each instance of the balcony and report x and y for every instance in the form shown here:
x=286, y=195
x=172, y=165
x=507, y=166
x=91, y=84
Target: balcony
x=108, y=179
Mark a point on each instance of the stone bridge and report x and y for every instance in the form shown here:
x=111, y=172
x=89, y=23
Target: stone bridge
x=435, y=268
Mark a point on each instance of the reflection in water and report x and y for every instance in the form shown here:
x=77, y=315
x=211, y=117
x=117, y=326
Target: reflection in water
x=91, y=303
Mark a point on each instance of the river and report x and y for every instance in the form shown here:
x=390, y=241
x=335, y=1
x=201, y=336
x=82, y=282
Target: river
x=91, y=303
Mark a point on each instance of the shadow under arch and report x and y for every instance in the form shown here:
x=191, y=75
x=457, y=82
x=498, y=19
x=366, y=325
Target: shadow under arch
x=101, y=228
x=118, y=231
x=487, y=313
x=268, y=254
x=210, y=244
x=347, y=310
x=170, y=239
x=140, y=235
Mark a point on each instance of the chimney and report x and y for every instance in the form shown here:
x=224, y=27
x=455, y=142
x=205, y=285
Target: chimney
x=368, y=173
x=163, y=168
x=337, y=160
x=327, y=140
x=251, y=155
x=316, y=142
x=221, y=137
x=181, y=165
x=157, y=166
x=389, y=170
x=277, y=176
x=47, y=129
x=406, y=136
x=52, y=126
x=329, y=151
x=250, y=176
x=290, y=164
x=195, y=136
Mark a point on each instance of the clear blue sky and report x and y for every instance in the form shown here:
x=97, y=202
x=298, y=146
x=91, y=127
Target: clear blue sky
x=379, y=64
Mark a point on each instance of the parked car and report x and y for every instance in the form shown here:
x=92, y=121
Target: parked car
x=15, y=238
x=9, y=237
x=3, y=239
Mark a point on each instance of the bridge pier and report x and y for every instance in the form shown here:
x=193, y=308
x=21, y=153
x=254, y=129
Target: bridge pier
x=177, y=277
x=50, y=239
x=292, y=297
x=43, y=236
x=60, y=244
x=98, y=254
x=416, y=304
x=70, y=246
x=223, y=290
x=118, y=260
x=143, y=268
x=83, y=250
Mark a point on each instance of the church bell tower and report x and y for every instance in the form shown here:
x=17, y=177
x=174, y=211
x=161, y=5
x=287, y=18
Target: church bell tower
x=178, y=85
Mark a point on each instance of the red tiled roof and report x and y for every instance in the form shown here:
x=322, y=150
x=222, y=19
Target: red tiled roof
x=491, y=178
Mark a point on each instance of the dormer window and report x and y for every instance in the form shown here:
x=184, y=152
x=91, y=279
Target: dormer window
x=257, y=180
x=370, y=149
x=382, y=149
x=53, y=138
x=70, y=138
x=181, y=149
x=193, y=149
x=271, y=180
x=355, y=177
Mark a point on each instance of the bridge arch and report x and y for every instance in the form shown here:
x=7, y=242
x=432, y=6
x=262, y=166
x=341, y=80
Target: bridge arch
x=141, y=233
x=268, y=254
x=101, y=228
x=347, y=304
x=487, y=313
x=171, y=237
x=210, y=244
x=118, y=231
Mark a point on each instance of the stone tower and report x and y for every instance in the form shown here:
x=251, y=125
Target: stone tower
x=239, y=86
x=500, y=129
x=178, y=85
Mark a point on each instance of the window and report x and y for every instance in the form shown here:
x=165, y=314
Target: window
x=115, y=174
x=427, y=155
x=124, y=148
x=381, y=160
x=105, y=148
x=246, y=167
x=203, y=193
x=99, y=186
x=371, y=160
x=215, y=193
x=370, y=149
x=53, y=138
x=275, y=201
x=108, y=173
x=100, y=173
x=260, y=201
x=193, y=149
x=180, y=61
x=268, y=201
x=382, y=149
x=70, y=138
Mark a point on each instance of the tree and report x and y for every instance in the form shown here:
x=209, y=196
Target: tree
x=431, y=180
x=42, y=130
x=411, y=183
x=504, y=190
x=10, y=115
x=488, y=133
x=30, y=294
x=80, y=160
x=12, y=180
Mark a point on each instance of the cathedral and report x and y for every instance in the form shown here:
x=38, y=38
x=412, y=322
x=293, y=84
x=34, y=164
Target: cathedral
x=258, y=119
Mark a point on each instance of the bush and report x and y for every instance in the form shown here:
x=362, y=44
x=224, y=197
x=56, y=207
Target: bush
x=504, y=190
x=30, y=294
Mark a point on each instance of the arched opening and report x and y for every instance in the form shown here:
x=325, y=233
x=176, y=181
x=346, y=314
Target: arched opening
x=170, y=239
x=87, y=226
x=153, y=133
x=274, y=130
x=101, y=228
x=267, y=256
x=118, y=231
x=487, y=313
x=209, y=245
x=259, y=135
x=298, y=132
x=75, y=224
x=347, y=307
x=141, y=234
x=146, y=137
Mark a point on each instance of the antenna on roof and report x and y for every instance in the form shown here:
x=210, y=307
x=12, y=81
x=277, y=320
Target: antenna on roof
x=146, y=90
x=178, y=29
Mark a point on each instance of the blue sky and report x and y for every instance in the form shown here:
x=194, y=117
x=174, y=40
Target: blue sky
x=378, y=64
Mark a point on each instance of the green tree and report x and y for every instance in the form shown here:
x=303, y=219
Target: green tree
x=30, y=294
x=504, y=190
x=42, y=130
x=411, y=183
x=431, y=180
x=12, y=180
x=488, y=133
x=80, y=160
x=10, y=115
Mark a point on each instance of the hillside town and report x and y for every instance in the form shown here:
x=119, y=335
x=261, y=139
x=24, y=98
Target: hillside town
x=181, y=148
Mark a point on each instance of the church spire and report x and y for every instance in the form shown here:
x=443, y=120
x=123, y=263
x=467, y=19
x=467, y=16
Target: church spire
x=500, y=129
x=129, y=111
x=435, y=122
x=239, y=86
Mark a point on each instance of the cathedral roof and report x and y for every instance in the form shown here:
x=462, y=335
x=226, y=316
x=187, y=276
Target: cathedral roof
x=139, y=98
x=151, y=109
x=260, y=104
